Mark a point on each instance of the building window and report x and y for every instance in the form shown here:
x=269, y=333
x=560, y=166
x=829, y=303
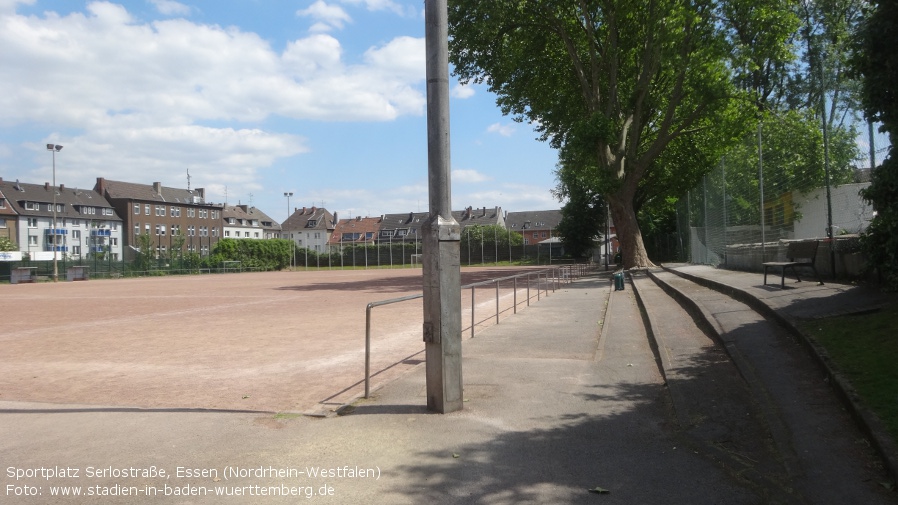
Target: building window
x=32, y=222
x=257, y=234
x=191, y=212
x=136, y=209
x=136, y=229
x=215, y=231
x=146, y=209
x=2, y=223
x=147, y=228
x=227, y=233
x=32, y=240
x=31, y=206
x=175, y=229
x=113, y=241
x=76, y=250
x=76, y=234
x=160, y=211
x=175, y=211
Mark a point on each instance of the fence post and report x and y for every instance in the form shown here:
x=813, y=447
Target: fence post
x=367, y=350
x=515, y=280
x=497, y=302
x=472, y=311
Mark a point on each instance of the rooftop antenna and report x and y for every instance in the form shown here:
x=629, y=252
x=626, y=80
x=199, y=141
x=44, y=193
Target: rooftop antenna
x=250, y=199
x=226, y=196
x=188, y=180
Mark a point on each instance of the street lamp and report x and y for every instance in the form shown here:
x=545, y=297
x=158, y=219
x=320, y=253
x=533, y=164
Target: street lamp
x=293, y=247
x=54, y=148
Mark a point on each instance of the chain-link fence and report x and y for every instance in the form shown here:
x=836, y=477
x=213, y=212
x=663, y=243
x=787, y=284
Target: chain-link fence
x=748, y=207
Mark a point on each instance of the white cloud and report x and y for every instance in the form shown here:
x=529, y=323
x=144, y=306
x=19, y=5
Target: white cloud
x=327, y=16
x=383, y=5
x=463, y=91
x=10, y=5
x=505, y=130
x=171, y=8
x=460, y=175
x=146, y=97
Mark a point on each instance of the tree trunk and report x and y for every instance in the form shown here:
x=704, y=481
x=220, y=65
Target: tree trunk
x=623, y=217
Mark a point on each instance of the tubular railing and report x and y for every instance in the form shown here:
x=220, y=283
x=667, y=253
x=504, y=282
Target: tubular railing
x=559, y=276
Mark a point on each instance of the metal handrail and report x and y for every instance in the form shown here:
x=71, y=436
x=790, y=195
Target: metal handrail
x=368, y=333
x=555, y=279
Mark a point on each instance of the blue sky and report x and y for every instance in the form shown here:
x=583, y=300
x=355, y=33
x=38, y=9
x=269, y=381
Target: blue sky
x=324, y=99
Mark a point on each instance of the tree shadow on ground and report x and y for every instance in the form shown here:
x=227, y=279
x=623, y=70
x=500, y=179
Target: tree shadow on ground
x=621, y=441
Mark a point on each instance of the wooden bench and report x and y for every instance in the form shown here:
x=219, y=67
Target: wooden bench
x=798, y=254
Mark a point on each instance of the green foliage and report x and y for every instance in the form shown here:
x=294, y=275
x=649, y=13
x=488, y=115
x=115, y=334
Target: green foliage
x=793, y=160
x=271, y=254
x=582, y=217
x=477, y=235
x=146, y=253
x=633, y=92
x=7, y=245
x=880, y=241
x=875, y=60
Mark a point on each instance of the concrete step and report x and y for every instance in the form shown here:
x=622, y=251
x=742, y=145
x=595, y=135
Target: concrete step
x=715, y=406
x=823, y=456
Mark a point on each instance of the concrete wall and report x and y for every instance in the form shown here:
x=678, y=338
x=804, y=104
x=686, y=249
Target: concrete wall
x=851, y=214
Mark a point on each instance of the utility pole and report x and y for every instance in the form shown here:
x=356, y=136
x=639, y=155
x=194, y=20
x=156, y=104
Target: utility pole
x=442, y=234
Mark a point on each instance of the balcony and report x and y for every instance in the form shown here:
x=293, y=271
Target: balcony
x=57, y=231
x=59, y=248
x=100, y=232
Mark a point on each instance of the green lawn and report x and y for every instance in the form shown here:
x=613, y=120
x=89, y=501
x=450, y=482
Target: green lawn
x=865, y=349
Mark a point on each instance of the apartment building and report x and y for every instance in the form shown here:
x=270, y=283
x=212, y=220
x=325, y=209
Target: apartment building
x=83, y=225
x=245, y=222
x=173, y=218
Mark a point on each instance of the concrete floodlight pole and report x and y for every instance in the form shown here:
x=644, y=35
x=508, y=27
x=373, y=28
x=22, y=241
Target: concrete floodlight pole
x=442, y=234
x=54, y=148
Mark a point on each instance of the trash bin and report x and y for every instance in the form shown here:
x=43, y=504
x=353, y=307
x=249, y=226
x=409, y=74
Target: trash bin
x=619, y=281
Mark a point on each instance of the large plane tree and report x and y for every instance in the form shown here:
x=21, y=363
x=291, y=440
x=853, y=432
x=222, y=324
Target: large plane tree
x=640, y=95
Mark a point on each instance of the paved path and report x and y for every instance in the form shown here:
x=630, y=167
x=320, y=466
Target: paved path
x=563, y=397
x=804, y=444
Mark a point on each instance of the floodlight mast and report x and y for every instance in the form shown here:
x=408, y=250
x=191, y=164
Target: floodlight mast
x=293, y=242
x=54, y=148
x=442, y=236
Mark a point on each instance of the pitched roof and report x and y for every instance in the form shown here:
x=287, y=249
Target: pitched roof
x=533, y=220
x=358, y=230
x=6, y=208
x=411, y=223
x=72, y=201
x=480, y=216
x=246, y=214
x=312, y=218
x=155, y=192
